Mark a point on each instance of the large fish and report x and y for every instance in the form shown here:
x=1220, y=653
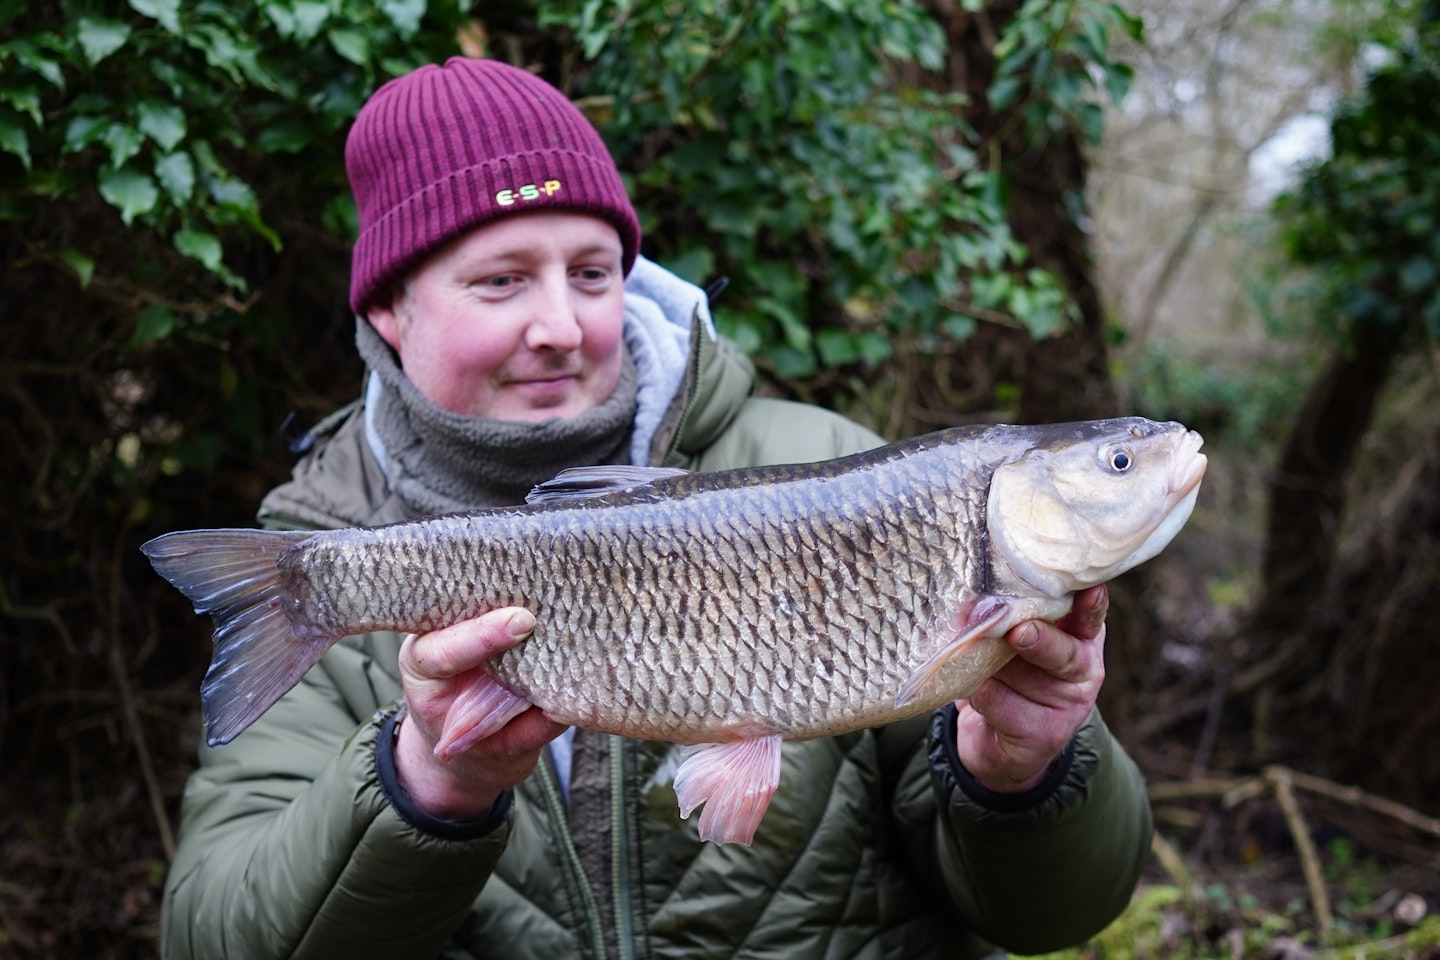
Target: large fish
x=731, y=610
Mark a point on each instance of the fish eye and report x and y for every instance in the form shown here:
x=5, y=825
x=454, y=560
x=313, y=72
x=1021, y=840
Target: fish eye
x=1117, y=459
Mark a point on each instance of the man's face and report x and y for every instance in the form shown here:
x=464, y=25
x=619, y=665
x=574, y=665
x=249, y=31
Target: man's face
x=519, y=319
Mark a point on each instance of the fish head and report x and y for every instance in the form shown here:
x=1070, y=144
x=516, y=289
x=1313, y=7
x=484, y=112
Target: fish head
x=1089, y=501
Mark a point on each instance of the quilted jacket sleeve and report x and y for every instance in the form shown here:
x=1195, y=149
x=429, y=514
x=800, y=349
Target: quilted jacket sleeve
x=1034, y=873
x=292, y=849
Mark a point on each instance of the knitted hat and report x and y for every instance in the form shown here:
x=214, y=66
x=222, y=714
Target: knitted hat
x=445, y=149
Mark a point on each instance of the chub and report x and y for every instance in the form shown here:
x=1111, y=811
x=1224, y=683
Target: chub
x=728, y=611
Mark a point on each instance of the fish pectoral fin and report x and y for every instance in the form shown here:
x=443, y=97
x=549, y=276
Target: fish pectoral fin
x=578, y=483
x=480, y=709
x=735, y=781
x=988, y=618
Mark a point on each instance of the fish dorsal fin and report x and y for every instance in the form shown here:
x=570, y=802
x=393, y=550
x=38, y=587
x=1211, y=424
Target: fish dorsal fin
x=578, y=483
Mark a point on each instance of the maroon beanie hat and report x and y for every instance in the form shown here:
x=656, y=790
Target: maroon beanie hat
x=445, y=149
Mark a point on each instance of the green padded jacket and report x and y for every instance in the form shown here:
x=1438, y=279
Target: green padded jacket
x=877, y=844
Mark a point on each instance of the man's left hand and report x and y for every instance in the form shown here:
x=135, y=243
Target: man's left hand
x=1019, y=720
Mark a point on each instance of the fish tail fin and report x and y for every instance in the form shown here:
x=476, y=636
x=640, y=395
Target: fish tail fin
x=233, y=576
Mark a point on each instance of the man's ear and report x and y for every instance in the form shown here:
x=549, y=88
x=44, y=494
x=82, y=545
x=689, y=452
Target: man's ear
x=386, y=321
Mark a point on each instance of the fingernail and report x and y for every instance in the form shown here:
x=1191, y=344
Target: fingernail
x=521, y=624
x=1026, y=636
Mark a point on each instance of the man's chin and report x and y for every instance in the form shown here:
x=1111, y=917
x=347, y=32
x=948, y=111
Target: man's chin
x=537, y=409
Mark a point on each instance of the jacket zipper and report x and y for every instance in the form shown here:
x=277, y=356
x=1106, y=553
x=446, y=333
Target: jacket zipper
x=556, y=808
x=619, y=850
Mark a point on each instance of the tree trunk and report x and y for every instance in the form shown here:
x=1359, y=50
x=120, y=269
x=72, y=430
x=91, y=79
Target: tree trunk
x=1383, y=673
x=1307, y=496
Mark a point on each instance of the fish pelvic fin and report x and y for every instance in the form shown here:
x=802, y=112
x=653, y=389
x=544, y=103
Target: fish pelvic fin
x=987, y=619
x=260, y=652
x=734, y=781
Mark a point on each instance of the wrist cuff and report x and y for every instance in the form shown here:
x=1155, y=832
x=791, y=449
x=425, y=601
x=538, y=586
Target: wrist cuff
x=411, y=813
x=945, y=731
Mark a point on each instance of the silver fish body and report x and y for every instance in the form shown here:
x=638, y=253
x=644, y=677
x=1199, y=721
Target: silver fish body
x=790, y=599
x=750, y=605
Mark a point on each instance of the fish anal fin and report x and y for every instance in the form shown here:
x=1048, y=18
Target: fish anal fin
x=734, y=781
x=986, y=620
x=479, y=710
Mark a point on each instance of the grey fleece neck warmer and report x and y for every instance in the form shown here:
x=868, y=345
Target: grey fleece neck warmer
x=438, y=461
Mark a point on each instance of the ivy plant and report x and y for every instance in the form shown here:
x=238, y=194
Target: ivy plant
x=172, y=111
x=802, y=149
x=1366, y=220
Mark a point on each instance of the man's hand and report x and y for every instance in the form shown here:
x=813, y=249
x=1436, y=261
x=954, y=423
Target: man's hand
x=434, y=669
x=1019, y=720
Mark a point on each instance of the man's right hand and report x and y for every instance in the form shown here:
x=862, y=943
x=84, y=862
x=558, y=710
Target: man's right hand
x=435, y=668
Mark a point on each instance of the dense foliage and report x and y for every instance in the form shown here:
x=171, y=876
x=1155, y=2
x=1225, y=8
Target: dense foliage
x=1367, y=219
x=794, y=147
x=178, y=115
x=788, y=144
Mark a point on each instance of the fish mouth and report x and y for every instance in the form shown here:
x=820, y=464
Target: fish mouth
x=1191, y=467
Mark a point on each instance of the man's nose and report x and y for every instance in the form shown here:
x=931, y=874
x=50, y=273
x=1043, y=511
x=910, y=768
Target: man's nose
x=553, y=325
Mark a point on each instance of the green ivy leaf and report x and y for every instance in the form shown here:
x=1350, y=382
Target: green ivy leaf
x=1133, y=25
x=13, y=139
x=742, y=328
x=837, y=347
x=352, y=45
x=404, y=14
x=30, y=56
x=289, y=137
x=237, y=199
x=205, y=247
x=152, y=325
x=281, y=16
x=235, y=195
x=1004, y=92
x=82, y=131
x=875, y=348
x=1096, y=37
x=696, y=264
x=789, y=363
x=958, y=326
x=162, y=122
x=124, y=142
x=176, y=173
x=1119, y=78
x=310, y=19
x=1092, y=122
x=134, y=193
x=99, y=38
x=164, y=12
x=83, y=266
x=26, y=100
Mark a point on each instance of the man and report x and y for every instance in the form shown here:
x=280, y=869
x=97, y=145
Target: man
x=511, y=329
